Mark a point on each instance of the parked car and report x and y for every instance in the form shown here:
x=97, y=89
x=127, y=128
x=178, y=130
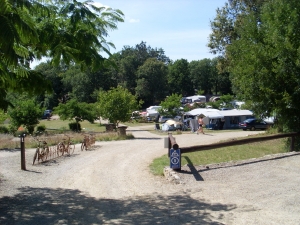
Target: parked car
x=155, y=107
x=254, y=124
x=47, y=114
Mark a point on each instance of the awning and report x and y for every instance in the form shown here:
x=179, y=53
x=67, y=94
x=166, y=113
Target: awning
x=210, y=113
x=236, y=112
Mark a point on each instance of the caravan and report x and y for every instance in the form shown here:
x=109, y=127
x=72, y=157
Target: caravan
x=192, y=99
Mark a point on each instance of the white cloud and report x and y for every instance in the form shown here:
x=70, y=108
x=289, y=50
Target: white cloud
x=134, y=20
x=98, y=4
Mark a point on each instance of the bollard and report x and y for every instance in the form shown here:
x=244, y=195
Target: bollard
x=174, y=153
x=22, y=143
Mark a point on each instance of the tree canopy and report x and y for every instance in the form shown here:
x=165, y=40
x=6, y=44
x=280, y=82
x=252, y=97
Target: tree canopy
x=27, y=113
x=65, y=31
x=117, y=105
x=171, y=106
x=264, y=61
x=179, y=78
x=152, y=81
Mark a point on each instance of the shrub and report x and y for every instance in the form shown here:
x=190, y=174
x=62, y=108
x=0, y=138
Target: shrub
x=12, y=129
x=40, y=130
x=76, y=127
x=4, y=130
x=20, y=133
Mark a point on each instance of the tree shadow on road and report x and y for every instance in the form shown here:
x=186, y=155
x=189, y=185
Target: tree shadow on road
x=66, y=206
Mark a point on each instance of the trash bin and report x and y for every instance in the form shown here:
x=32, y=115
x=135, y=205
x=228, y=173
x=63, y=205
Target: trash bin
x=122, y=130
x=110, y=127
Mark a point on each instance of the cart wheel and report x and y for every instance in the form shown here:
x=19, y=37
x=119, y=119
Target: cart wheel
x=35, y=155
x=82, y=146
x=60, y=149
x=71, y=148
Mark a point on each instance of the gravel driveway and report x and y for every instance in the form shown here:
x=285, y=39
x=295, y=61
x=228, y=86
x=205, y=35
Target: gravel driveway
x=112, y=184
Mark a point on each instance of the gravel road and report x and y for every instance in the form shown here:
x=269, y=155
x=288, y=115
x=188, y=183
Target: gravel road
x=112, y=184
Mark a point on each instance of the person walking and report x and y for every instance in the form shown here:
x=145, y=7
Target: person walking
x=201, y=124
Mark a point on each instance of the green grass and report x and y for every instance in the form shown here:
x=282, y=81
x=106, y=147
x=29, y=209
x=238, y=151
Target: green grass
x=233, y=153
x=55, y=133
x=64, y=125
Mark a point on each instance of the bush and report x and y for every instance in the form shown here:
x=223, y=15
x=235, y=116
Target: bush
x=40, y=129
x=4, y=130
x=76, y=127
x=30, y=129
x=12, y=129
x=20, y=133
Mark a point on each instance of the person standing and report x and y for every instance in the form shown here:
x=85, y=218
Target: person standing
x=201, y=124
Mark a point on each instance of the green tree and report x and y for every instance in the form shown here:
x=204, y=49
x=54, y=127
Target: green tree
x=179, y=80
x=264, y=62
x=64, y=31
x=27, y=113
x=78, y=111
x=152, y=81
x=3, y=116
x=171, y=106
x=225, y=101
x=53, y=75
x=129, y=59
x=205, y=76
x=117, y=104
x=224, y=27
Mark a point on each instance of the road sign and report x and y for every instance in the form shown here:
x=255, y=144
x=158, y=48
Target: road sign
x=175, y=159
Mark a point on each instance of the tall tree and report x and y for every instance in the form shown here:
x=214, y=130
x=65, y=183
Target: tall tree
x=264, y=61
x=225, y=24
x=52, y=74
x=129, y=59
x=179, y=79
x=152, y=81
x=204, y=75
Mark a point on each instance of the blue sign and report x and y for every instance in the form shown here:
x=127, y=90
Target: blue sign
x=175, y=159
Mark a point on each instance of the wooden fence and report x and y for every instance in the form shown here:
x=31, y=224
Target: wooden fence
x=174, y=145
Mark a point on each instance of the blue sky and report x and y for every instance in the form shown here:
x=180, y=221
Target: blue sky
x=180, y=27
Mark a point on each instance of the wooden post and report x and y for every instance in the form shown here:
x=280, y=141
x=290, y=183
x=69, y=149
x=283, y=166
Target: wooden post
x=22, y=142
x=169, y=146
x=292, y=143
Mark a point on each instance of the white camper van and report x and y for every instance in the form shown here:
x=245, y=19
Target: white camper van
x=192, y=99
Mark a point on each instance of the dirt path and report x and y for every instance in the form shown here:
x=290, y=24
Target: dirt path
x=112, y=184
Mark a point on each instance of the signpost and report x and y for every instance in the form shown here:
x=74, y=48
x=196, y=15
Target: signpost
x=175, y=159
